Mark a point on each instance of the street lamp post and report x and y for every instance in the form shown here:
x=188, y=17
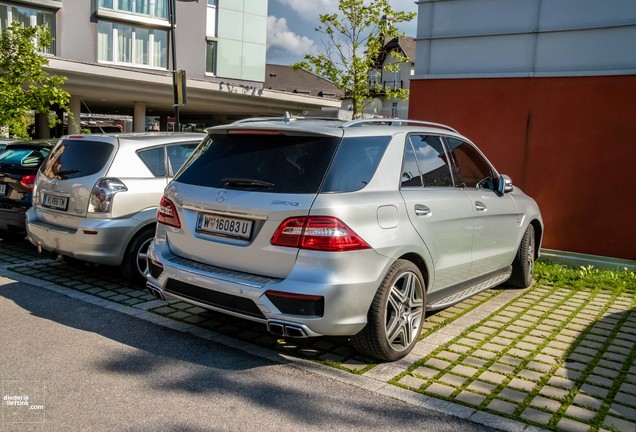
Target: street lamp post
x=178, y=77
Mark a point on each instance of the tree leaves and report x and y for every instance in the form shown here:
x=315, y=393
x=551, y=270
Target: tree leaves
x=25, y=86
x=354, y=39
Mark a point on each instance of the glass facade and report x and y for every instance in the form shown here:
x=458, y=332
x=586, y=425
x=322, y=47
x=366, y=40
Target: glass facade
x=151, y=8
x=242, y=34
x=28, y=17
x=130, y=45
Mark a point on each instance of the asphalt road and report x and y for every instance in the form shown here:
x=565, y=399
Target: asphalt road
x=106, y=371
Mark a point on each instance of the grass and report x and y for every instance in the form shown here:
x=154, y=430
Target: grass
x=620, y=280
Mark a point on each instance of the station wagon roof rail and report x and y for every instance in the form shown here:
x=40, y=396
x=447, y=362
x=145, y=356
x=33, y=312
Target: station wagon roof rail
x=396, y=122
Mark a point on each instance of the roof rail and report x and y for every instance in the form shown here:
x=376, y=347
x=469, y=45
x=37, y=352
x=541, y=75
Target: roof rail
x=396, y=122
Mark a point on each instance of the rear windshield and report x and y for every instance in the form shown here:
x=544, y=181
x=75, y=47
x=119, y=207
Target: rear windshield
x=77, y=158
x=23, y=157
x=268, y=163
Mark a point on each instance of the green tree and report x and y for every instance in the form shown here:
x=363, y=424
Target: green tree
x=354, y=39
x=25, y=87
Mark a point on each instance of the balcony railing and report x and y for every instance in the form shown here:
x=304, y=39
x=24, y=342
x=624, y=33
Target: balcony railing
x=387, y=85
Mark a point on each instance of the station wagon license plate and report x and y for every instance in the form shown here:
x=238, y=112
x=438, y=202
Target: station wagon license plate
x=225, y=226
x=3, y=189
x=55, y=202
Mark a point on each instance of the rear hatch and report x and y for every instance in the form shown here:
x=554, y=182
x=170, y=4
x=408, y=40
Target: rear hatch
x=238, y=188
x=67, y=177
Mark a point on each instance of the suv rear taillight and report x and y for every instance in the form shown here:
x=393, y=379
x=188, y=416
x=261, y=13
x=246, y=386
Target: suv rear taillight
x=101, y=199
x=27, y=182
x=324, y=233
x=167, y=213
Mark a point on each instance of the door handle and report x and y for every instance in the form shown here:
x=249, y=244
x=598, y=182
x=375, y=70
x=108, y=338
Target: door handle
x=480, y=206
x=422, y=210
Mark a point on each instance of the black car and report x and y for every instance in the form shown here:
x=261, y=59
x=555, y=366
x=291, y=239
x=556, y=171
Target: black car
x=19, y=163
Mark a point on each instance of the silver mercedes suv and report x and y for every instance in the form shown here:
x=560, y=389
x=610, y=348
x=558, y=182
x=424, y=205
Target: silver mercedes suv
x=95, y=198
x=323, y=227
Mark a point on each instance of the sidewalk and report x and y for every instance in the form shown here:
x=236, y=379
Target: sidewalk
x=518, y=360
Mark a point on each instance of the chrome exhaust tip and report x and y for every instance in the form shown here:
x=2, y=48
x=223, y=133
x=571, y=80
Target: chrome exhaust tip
x=155, y=291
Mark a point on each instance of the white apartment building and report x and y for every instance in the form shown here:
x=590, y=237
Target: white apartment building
x=117, y=56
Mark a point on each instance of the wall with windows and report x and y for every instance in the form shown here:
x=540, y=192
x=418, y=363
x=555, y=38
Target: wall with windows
x=28, y=16
x=546, y=88
x=242, y=38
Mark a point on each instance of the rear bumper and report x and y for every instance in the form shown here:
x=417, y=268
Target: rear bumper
x=12, y=217
x=102, y=241
x=347, y=294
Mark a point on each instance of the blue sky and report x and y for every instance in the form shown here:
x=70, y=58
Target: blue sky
x=291, y=27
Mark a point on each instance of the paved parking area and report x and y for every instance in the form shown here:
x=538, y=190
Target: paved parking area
x=541, y=358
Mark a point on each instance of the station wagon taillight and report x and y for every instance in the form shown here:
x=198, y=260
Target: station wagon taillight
x=323, y=233
x=103, y=193
x=167, y=213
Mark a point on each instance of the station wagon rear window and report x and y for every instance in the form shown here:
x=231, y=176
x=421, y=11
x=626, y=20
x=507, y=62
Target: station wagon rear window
x=267, y=163
x=77, y=158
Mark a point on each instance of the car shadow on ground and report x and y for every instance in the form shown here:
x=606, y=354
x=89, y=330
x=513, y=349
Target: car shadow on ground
x=214, y=370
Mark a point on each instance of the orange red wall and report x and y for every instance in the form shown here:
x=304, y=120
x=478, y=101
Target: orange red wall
x=569, y=142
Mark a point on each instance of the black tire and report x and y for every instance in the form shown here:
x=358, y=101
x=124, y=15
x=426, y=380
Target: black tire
x=393, y=327
x=134, y=265
x=523, y=265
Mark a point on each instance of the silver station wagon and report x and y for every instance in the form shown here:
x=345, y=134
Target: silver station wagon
x=95, y=198
x=323, y=227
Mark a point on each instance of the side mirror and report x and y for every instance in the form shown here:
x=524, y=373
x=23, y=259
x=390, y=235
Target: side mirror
x=504, y=185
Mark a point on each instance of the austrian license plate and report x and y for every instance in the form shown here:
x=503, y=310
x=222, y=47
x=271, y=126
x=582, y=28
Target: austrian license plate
x=55, y=202
x=224, y=226
x=3, y=189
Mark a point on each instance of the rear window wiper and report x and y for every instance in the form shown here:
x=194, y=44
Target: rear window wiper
x=67, y=172
x=244, y=182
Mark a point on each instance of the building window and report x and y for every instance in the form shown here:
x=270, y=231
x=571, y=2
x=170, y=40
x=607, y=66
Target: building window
x=152, y=8
x=394, y=109
x=130, y=45
x=210, y=57
x=28, y=17
x=212, y=3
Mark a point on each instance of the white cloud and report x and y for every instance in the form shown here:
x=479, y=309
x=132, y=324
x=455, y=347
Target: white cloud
x=310, y=9
x=280, y=36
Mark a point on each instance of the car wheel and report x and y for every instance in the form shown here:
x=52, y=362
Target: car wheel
x=523, y=265
x=135, y=262
x=396, y=314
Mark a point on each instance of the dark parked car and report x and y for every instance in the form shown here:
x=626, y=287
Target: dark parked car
x=4, y=142
x=19, y=164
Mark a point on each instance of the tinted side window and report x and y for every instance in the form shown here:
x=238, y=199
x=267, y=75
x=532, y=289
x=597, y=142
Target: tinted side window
x=432, y=161
x=77, y=158
x=177, y=155
x=268, y=163
x=355, y=163
x=153, y=158
x=473, y=169
x=411, y=176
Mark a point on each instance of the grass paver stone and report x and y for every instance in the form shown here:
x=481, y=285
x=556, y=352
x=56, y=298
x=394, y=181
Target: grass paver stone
x=545, y=403
x=569, y=425
x=412, y=382
x=554, y=392
x=513, y=395
x=594, y=390
x=464, y=370
x=470, y=398
x=426, y=372
x=600, y=381
x=453, y=380
x=579, y=413
x=536, y=416
x=440, y=390
x=502, y=406
x=447, y=355
x=521, y=384
x=588, y=402
x=501, y=368
x=492, y=377
x=623, y=411
x=485, y=354
x=481, y=387
x=619, y=424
